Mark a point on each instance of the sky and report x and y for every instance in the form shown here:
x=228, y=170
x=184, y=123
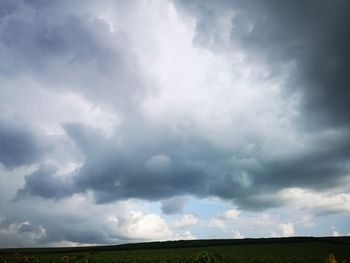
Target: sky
x=141, y=120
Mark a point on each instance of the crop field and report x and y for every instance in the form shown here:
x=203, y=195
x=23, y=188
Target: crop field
x=309, y=251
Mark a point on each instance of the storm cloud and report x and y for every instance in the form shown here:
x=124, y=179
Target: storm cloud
x=64, y=47
x=164, y=102
x=173, y=205
x=44, y=183
x=19, y=145
x=312, y=36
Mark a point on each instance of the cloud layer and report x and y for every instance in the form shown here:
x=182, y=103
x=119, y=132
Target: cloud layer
x=163, y=101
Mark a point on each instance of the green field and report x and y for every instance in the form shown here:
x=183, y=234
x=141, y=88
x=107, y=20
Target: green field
x=247, y=250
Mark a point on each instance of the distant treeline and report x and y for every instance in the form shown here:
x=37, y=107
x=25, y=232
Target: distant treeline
x=182, y=244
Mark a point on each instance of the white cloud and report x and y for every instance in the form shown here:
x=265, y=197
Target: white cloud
x=265, y=219
x=224, y=220
x=258, y=224
x=117, y=222
x=48, y=109
x=306, y=221
x=187, y=235
x=230, y=214
x=218, y=223
x=146, y=227
x=335, y=233
x=287, y=230
x=319, y=202
x=237, y=235
x=186, y=220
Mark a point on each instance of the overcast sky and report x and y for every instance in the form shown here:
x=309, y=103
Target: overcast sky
x=126, y=121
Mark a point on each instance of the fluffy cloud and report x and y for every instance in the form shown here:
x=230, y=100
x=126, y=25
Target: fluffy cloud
x=225, y=220
x=146, y=227
x=187, y=235
x=77, y=220
x=306, y=221
x=237, y=235
x=186, y=220
x=287, y=230
x=319, y=203
x=20, y=234
x=230, y=214
x=214, y=222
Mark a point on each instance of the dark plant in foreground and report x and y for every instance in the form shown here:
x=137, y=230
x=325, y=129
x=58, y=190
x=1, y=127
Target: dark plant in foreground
x=208, y=257
x=331, y=259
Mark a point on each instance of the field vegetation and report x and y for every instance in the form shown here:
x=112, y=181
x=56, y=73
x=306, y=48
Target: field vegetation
x=286, y=250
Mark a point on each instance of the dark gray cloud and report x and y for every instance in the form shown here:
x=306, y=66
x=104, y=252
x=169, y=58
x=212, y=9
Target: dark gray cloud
x=166, y=170
x=26, y=228
x=173, y=205
x=98, y=99
x=63, y=232
x=45, y=183
x=66, y=48
x=156, y=172
x=313, y=35
x=160, y=171
x=314, y=38
x=63, y=48
x=250, y=180
x=19, y=144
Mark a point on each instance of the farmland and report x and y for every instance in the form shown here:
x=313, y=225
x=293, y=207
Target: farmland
x=272, y=250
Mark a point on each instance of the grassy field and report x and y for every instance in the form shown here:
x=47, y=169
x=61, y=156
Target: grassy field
x=248, y=250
